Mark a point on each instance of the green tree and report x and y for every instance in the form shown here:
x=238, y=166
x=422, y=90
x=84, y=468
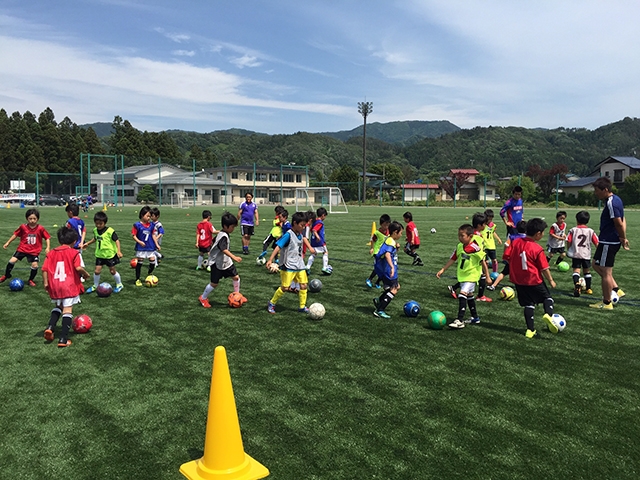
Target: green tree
x=504, y=189
x=146, y=195
x=392, y=173
x=347, y=177
x=630, y=192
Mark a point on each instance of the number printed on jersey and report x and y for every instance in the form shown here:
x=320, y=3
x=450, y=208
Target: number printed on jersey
x=60, y=274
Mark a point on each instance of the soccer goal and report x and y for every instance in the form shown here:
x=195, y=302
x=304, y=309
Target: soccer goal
x=180, y=200
x=328, y=197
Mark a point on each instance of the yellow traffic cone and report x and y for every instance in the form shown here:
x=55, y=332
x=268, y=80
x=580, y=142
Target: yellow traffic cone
x=224, y=456
x=373, y=231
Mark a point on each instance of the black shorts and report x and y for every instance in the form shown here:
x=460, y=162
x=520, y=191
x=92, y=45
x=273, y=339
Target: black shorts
x=532, y=294
x=107, y=262
x=204, y=250
x=217, y=274
x=555, y=249
x=30, y=258
x=580, y=263
x=389, y=284
x=491, y=253
x=247, y=229
x=606, y=254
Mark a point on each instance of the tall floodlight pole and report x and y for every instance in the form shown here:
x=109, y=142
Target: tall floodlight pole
x=364, y=109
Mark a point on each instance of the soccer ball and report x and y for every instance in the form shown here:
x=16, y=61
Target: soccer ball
x=316, y=311
x=261, y=261
x=274, y=268
x=236, y=299
x=411, y=308
x=104, y=289
x=558, y=321
x=328, y=270
x=583, y=284
x=436, y=320
x=493, y=275
x=614, y=297
x=151, y=281
x=507, y=293
x=563, y=267
x=82, y=324
x=16, y=285
x=433, y=230
x=133, y=262
x=315, y=285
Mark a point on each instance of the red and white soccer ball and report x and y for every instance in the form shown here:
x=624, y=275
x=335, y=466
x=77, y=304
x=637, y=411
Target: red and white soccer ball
x=82, y=324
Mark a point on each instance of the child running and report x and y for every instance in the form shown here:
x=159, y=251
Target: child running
x=204, y=237
x=387, y=270
x=378, y=238
x=490, y=236
x=274, y=234
x=413, y=240
x=108, y=252
x=580, y=239
x=521, y=228
x=31, y=236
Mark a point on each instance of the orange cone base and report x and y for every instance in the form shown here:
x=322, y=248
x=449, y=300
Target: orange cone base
x=251, y=469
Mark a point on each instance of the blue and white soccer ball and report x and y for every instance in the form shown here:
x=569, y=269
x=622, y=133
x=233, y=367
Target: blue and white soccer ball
x=16, y=285
x=261, y=261
x=412, y=308
x=558, y=321
x=614, y=297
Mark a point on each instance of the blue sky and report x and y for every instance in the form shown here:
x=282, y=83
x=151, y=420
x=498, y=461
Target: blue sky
x=283, y=66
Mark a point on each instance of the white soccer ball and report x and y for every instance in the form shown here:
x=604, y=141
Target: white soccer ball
x=583, y=284
x=316, y=311
x=433, y=230
x=558, y=321
x=261, y=261
x=614, y=297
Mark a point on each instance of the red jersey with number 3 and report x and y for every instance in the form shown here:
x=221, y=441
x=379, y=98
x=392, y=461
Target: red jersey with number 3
x=64, y=279
x=205, y=234
x=31, y=238
x=526, y=262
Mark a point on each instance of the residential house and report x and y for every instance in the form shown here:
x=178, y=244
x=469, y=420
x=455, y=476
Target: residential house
x=617, y=169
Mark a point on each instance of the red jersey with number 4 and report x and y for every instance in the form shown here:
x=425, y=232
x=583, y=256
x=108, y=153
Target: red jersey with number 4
x=526, y=262
x=31, y=238
x=205, y=234
x=64, y=279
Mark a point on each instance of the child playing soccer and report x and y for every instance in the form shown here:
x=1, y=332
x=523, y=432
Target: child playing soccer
x=292, y=267
x=521, y=228
x=76, y=223
x=557, y=237
x=579, y=240
x=318, y=241
x=469, y=257
x=274, y=234
x=378, y=238
x=108, y=251
x=413, y=240
x=490, y=236
x=204, y=237
x=61, y=274
x=387, y=270
x=158, y=231
x=513, y=210
x=31, y=236
x=146, y=242
x=221, y=260
x=526, y=270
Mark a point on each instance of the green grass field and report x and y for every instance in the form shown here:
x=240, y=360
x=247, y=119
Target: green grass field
x=349, y=397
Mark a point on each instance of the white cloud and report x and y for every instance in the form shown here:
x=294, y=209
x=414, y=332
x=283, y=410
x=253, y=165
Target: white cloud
x=184, y=53
x=246, y=61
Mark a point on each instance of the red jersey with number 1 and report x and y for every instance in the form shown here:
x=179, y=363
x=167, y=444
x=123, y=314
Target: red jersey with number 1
x=526, y=262
x=31, y=238
x=64, y=279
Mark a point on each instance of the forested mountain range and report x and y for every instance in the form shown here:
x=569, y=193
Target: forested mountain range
x=30, y=143
x=398, y=133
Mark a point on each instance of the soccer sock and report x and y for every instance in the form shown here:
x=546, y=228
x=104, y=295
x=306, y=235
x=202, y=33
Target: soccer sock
x=587, y=280
x=96, y=279
x=117, y=278
x=7, y=272
x=33, y=273
x=66, y=325
x=373, y=274
x=494, y=265
x=302, y=296
x=151, y=267
x=482, y=284
x=55, y=316
x=138, y=269
x=276, y=296
x=576, y=278
x=462, y=306
x=200, y=261
x=207, y=290
x=385, y=300
x=456, y=286
x=559, y=259
x=548, y=306
x=312, y=257
x=529, y=311
x=236, y=285
x=615, y=289
x=471, y=301
x=325, y=260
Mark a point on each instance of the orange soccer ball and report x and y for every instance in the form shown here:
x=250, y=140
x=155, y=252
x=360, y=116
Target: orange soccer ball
x=134, y=262
x=236, y=299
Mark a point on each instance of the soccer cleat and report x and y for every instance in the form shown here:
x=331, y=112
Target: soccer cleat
x=271, y=308
x=63, y=343
x=138, y=283
x=456, y=324
x=198, y=268
x=473, y=321
x=118, y=288
x=31, y=283
x=303, y=310
x=204, y=302
x=3, y=278
x=620, y=293
x=531, y=333
x=378, y=285
x=552, y=326
x=48, y=334
x=602, y=306
x=381, y=314
x=91, y=289
x=491, y=288
x=369, y=284
x=588, y=291
x=484, y=299
x=452, y=291
x=576, y=290
x=208, y=268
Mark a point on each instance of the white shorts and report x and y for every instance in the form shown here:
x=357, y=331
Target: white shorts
x=66, y=302
x=467, y=287
x=320, y=250
x=145, y=254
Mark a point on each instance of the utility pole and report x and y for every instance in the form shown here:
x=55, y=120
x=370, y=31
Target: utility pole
x=364, y=109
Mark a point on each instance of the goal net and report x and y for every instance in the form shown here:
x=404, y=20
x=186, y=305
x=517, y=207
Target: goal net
x=180, y=200
x=328, y=197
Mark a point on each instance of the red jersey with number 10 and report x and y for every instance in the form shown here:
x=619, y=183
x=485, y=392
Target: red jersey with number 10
x=31, y=238
x=526, y=262
x=64, y=279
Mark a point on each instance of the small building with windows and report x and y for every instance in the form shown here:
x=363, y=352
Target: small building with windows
x=617, y=169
